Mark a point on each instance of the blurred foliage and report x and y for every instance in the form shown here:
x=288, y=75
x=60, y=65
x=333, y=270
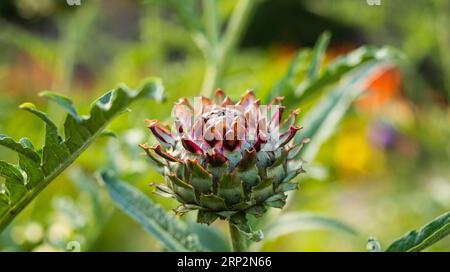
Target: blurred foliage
x=421, y=32
x=384, y=171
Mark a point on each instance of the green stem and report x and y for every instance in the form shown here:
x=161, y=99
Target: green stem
x=211, y=79
x=237, y=240
x=219, y=55
x=74, y=34
x=211, y=21
x=236, y=27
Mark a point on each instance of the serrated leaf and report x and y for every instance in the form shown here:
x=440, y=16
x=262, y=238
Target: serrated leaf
x=11, y=173
x=14, y=181
x=172, y=233
x=62, y=101
x=58, y=153
x=54, y=151
x=419, y=240
x=4, y=199
x=291, y=222
x=30, y=107
x=108, y=133
x=22, y=147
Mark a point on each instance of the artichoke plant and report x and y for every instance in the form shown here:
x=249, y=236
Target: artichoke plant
x=227, y=159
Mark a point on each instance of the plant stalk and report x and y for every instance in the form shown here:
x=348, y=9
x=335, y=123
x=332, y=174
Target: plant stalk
x=220, y=53
x=238, y=241
x=211, y=21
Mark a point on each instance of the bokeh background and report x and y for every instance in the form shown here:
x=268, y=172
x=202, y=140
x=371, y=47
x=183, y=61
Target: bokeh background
x=386, y=169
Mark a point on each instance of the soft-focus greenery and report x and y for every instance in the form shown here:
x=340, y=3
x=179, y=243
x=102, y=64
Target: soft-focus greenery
x=384, y=171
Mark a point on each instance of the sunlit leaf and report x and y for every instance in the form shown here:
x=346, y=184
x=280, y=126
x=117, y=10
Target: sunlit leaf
x=38, y=168
x=62, y=101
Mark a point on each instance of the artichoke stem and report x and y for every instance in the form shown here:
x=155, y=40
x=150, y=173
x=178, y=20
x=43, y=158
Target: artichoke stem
x=238, y=241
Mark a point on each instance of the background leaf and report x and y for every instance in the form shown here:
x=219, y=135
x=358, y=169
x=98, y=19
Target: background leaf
x=356, y=70
x=286, y=84
x=173, y=234
x=342, y=66
x=419, y=240
x=321, y=121
x=316, y=83
x=318, y=55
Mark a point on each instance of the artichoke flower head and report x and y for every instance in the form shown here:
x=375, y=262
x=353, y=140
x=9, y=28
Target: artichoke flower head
x=227, y=159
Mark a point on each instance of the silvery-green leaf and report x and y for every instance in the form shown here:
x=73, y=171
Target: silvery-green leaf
x=173, y=234
x=419, y=240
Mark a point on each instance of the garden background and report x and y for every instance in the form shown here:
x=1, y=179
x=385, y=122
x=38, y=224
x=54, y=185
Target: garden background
x=385, y=169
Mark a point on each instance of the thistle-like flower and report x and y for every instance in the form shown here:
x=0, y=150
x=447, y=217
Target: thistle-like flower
x=227, y=160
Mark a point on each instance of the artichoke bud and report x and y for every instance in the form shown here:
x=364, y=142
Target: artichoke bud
x=227, y=159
